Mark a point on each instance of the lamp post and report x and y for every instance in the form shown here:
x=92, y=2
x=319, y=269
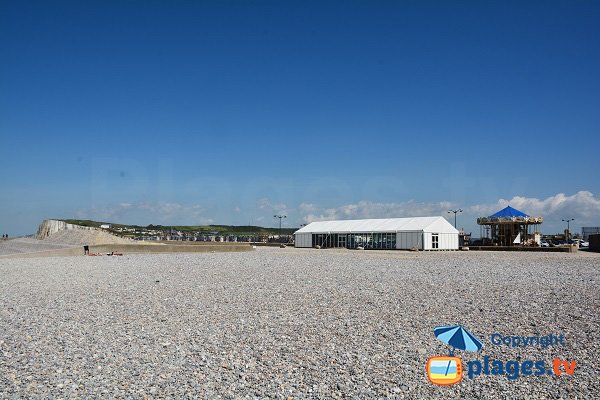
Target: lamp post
x=280, y=218
x=455, y=212
x=568, y=221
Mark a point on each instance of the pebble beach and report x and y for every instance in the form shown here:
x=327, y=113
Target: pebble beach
x=291, y=323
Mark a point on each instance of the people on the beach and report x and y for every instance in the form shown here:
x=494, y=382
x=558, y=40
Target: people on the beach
x=86, y=251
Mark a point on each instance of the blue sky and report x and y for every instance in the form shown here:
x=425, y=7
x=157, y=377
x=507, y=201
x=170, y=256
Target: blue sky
x=231, y=111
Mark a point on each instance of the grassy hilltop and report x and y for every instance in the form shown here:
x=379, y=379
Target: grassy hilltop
x=221, y=229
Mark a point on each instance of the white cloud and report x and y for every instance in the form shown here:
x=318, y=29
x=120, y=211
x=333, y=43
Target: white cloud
x=266, y=204
x=368, y=209
x=305, y=208
x=147, y=212
x=581, y=205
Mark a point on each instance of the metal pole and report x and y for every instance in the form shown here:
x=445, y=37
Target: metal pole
x=455, y=212
x=280, y=218
x=568, y=228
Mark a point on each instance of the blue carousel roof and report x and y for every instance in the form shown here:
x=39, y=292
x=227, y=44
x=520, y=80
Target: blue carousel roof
x=509, y=212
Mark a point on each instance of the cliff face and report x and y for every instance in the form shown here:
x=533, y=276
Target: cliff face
x=59, y=232
x=50, y=226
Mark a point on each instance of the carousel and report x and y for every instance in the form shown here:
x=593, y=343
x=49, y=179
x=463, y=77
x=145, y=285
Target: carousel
x=510, y=227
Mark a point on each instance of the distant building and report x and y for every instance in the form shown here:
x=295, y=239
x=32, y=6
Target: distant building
x=589, y=230
x=105, y=226
x=464, y=238
x=595, y=242
x=422, y=233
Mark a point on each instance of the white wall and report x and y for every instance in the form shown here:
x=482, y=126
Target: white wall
x=303, y=240
x=408, y=240
x=446, y=241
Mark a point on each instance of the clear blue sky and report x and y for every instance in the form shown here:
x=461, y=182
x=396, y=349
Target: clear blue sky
x=231, y=111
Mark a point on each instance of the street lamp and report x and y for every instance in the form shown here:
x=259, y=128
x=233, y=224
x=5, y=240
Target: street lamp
x=455, y=212
x=568, y=221
x=280, y=218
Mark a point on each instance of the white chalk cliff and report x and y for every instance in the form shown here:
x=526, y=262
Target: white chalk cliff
x=53, y=231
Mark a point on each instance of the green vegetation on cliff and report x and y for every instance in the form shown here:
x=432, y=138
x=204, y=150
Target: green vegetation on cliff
x=220, y=229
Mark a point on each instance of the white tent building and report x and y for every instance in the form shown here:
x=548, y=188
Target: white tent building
x=423, y=233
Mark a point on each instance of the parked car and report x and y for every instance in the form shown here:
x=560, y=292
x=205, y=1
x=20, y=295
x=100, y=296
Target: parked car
x=543, y=243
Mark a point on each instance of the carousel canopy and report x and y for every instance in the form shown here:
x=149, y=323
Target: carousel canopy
x=509, y=212
x=509, y=215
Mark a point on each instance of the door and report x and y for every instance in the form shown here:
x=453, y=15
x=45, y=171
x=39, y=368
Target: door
x=341, y=240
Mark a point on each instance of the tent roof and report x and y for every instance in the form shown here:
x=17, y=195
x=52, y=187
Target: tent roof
x=435, y=224
x=509, y=212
